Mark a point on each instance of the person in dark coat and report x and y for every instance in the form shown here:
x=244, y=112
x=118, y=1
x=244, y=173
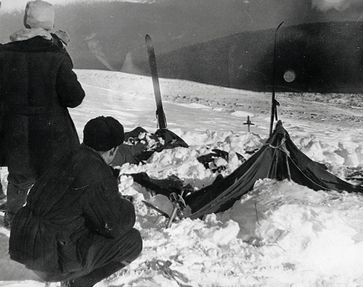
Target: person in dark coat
x=76, y=226
x=37, y=85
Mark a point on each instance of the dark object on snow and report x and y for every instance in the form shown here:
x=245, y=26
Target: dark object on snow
x=208, y=159
x=133, y=154
x=137, y=149
x=278, y=159
x=75, y=222
x=134, y=134
x=171, y=140
x=167, y=186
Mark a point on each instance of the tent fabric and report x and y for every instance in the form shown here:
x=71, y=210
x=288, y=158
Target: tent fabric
x=136, y=148
x=279, y=159
x=166, y=186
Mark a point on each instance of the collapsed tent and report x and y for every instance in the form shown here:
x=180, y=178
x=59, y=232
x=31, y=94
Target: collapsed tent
x=279, y=159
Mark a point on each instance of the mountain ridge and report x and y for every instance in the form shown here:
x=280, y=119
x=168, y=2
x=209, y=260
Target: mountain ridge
x=110, y=36
x=322, y=57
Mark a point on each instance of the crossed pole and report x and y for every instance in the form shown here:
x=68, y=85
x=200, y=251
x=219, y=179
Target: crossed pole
x=249, y=123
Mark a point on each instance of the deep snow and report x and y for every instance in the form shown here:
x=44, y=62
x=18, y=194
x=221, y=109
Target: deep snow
x=280, y=234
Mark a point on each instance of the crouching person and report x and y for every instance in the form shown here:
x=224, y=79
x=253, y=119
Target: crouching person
x=75, y=226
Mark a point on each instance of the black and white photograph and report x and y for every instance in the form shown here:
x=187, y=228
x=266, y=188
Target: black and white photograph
x=181, y=143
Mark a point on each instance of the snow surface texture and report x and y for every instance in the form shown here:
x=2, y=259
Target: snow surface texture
x=280, y=234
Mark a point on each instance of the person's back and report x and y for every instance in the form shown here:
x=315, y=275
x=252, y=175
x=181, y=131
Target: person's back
x=75, y=222
x=35, y=95
x=37, y=85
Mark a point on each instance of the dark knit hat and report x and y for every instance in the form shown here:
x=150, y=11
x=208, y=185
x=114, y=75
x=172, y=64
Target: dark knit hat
x=103, y=133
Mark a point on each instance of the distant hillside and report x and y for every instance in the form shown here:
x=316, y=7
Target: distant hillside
x=324, y=57
x=105, y=34
x=191, y=42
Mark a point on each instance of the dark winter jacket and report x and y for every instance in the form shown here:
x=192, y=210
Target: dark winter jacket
x=71, y=204
x=37, y=85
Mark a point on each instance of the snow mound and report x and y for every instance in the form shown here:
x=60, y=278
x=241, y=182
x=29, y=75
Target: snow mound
x=317, y=234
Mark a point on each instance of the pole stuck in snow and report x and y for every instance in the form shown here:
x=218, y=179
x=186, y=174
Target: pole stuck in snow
x=249, y=123
x=274, y=103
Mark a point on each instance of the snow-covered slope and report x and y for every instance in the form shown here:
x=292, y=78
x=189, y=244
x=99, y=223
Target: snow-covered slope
x=281, y=234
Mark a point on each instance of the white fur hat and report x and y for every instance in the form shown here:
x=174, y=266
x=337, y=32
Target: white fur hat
x=39, y=14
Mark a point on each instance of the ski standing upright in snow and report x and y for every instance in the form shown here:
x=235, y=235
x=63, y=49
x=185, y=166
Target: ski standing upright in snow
x=274, y=103
x=160, y=115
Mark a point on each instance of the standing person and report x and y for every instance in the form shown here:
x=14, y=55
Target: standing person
x=37, y=85
x=76, y=226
